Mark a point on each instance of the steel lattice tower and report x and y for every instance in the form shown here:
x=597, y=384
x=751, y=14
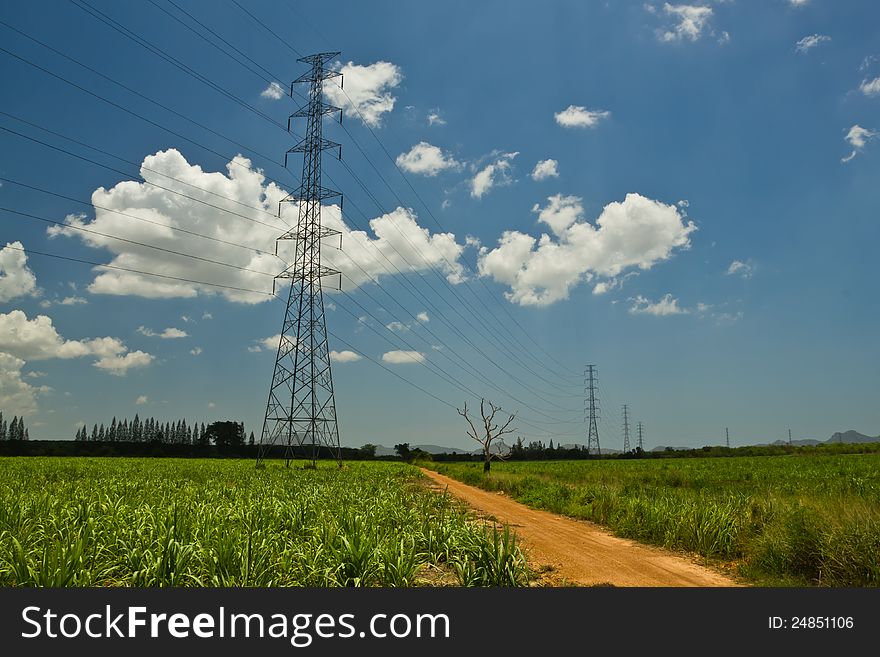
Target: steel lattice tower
x=592, y=405
x=625, y=428
x=641, y=445
x=301, y=410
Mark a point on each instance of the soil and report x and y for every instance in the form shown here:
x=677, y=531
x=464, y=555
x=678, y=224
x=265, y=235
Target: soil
x=568, y=552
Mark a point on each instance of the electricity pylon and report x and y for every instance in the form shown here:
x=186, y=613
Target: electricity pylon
x=592, y=406
x=641, y=444
x=625, y=428
x=301, y=410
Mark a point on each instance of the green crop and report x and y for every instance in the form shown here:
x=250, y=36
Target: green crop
x=179, y=522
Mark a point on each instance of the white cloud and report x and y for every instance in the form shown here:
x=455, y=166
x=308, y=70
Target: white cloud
x=273, y=92
x=857, y=137
x=798, y=3
x=344, y=356
x=426, y=159
x=73, y=301
x=545, y=169
x=399, y=327
x=434, y=118
x=207, y=316
x=423, y=317
x=169, y=333
x=37, y=339
x=17, y=397
x=141, y=400
x=403, y=357
x=269, y=344
x=810, y=41
x=577, y=116
x=667, y=305
x=16, y=278
x=397, y=231
x=870, y=87
x=195, y=351
x=740, y=268
x=367, y=90
x=495, y=174
x=636, y=233
x=399, y=240
x=689, y=22
x=211, y=405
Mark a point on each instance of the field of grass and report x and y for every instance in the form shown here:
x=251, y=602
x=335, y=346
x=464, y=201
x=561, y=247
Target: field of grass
x=190, y=522
x=780, y=520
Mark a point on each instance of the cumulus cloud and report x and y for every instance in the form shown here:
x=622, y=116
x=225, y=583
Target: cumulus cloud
x=398, y=235
x=273, y=92
x=688, y=23
x=344, y=356
x=141, y=400
x=423, y=317
x=16, y=278
x=398, y=327
x=665, y=306
x=577, y=116
x=426, y=159
x=545, y=169
x=37, y=339
x=169, y=333
x=870, y=87
x=403, y=357
x=857, y=137
x=636, y=233
x=195, y=351
x=798, y=3
x=366, y=92
x=740, y=268
x=434, y=118
x=811, y=41
x=495, y=174
x=17, y=397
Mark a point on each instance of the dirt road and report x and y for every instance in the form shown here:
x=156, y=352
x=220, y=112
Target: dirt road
x=580, y=553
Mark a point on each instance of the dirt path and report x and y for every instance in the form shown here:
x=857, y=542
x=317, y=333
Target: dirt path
x=579, y=552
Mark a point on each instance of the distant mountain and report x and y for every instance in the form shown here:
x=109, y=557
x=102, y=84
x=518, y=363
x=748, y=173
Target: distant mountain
x=852, y=436
x=439, y=449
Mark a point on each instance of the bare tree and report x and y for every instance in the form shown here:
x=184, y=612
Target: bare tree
x=489, y=432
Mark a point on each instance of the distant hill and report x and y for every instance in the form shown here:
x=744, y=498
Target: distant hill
x=852, y=436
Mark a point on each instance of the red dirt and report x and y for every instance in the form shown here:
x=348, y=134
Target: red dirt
x=578, y=553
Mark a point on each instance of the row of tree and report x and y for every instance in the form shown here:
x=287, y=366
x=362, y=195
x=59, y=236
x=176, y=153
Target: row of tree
x=14, y=430
x=223, y=434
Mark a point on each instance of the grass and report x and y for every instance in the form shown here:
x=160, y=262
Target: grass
x=185, y=522
x=781, y=520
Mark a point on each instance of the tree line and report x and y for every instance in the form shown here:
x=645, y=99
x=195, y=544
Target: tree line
x=150, y=430
x=15, y=430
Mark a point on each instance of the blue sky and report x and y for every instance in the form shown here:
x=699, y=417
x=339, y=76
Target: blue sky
x=680, y=194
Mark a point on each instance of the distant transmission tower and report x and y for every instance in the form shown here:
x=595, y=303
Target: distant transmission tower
x=301, y=410
x=789, y=436
x=592, y=405
x=727, y=437
x=641, y=444
x=625, y=428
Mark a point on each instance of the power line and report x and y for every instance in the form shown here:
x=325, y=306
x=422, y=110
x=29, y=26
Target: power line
x=136, y=271
x=135, y=242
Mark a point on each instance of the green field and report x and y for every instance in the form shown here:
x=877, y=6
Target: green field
x=780, y=520
x=192, y=522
